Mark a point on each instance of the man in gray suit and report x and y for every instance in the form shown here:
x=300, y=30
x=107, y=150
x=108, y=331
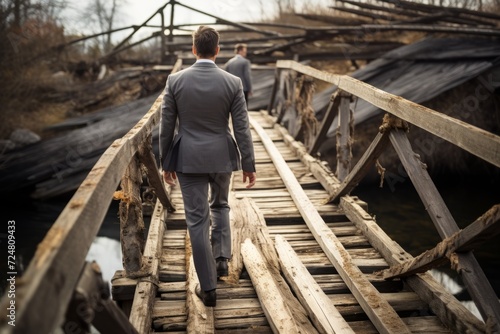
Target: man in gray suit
x=240, y=66
x=203, y=153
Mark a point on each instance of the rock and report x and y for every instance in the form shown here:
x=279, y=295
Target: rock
x=6, y=145
x=23, y=137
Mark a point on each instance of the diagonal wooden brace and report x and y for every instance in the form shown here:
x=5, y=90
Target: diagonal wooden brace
x=485, y=227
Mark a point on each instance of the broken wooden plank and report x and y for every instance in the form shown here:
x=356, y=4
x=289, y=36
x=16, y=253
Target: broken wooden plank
x=319, y=307
x=278, y=314
x=485, y=227
x=242, y=227
x=253, y=227
x=378, y=310
x=200, y=318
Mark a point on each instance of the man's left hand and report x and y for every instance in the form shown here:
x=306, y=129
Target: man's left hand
x=169, y=177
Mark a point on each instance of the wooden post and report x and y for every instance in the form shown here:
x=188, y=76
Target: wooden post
x=365, y=163
x=326, y=123
x=307, y=120
x=171, y=27
x=280, y=109
x=131, y=221
x=276, y=84
x=289, y=80
x=91, y=305
x=162, y=36
x=344, y=153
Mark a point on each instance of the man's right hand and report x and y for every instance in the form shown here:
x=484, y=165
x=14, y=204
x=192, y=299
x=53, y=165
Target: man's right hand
x=251, y=177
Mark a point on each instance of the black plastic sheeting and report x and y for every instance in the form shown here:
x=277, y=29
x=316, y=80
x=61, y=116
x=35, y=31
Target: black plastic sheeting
x=419, y=72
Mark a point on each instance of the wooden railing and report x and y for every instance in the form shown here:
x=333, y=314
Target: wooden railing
x=58, y=288
x=457, y=245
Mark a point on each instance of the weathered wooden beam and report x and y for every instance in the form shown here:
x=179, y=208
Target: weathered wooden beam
x=480, y=143
x=332, y=19
x=136, y=28
x=344, y=153
x=433, y=8
x=200, y=318
x=147, y=286
x=375, y=306
x=250, y=224
x=436, y=12
x=279, y=315
x=485, y=227
x=364, y=13
x=277, y=74
x=326, y=122
x=320, y=308
x=147, y=158
x=473, y=276
x=242, y=26
x=131, y=221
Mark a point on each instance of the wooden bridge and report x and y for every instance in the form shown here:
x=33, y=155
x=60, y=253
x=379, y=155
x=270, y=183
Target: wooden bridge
x=307, y=257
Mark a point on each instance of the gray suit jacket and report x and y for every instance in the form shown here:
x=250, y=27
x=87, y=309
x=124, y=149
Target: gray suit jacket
x=240, y=67
x=201, y=98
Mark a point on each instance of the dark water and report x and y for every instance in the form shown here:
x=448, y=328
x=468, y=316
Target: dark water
x=34, y=218
x=401, y=214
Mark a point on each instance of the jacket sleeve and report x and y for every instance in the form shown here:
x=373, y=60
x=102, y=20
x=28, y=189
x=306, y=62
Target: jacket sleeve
x=241, y=128
x=167, y=121
x=247, y=75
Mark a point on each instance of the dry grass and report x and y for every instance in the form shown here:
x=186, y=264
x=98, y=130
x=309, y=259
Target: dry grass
x=35, y=120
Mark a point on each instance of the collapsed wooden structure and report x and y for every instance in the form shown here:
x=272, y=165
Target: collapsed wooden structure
x=299, y=231
x=359, y=35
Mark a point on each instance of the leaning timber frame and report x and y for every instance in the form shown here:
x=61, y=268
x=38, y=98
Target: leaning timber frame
x=47, y=291
x=456, y=246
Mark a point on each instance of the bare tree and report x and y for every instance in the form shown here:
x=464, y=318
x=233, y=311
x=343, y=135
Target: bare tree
x=14, y=13
x=285, y=6
x=104, y=15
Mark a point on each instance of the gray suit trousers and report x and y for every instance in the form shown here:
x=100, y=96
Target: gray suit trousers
x=199, y=208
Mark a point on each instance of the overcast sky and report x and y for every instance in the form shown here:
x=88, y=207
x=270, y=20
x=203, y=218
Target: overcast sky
x=137, y=11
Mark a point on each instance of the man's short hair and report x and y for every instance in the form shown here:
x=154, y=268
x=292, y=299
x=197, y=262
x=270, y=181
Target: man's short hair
x=206, y=41
x=238, y=47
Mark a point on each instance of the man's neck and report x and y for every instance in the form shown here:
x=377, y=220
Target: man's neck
x=205, y=59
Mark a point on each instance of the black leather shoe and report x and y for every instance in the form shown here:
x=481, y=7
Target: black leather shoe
x=222, y=269
x=209, y=298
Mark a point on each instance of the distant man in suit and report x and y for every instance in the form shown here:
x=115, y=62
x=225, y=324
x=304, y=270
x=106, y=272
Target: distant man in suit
x=239, y=65
x=203, y=154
